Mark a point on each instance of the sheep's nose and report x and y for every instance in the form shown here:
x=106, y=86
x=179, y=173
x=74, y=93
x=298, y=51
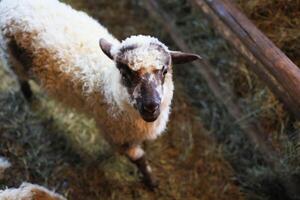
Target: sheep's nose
x=151, y=107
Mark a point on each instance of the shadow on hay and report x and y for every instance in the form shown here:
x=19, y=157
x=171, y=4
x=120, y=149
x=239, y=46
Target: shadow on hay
x=41, y=153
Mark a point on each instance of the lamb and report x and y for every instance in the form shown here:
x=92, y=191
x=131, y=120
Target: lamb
x=126, y=86
x=28, y=191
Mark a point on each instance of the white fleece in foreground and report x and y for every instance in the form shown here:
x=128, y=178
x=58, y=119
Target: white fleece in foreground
x=29, y=191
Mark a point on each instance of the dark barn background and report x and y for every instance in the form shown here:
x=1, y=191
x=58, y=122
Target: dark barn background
x=205, y=153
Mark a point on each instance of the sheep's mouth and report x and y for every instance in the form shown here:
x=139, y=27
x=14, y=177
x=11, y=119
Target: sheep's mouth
x=149, y=116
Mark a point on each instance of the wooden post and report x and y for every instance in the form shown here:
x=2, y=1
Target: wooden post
x=223, y=94
x=280, y=74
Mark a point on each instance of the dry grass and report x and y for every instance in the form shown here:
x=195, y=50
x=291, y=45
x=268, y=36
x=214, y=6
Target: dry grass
x=258, y=179
x=279, y=20
x=41, y=141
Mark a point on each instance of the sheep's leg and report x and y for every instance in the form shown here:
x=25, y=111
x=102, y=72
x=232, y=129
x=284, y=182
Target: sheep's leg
x=26, y=90
x=137, y=156
x=145, y=170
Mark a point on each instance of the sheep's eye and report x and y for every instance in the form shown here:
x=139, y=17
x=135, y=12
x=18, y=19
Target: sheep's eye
x=130, y=78
x=124, y=69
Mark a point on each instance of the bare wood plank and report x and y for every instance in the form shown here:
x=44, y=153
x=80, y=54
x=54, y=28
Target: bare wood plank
x=283, y=77
x=223, y=94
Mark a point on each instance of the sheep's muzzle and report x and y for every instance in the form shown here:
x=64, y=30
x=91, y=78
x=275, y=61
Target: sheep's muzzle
x=150, y=112
x=149, y=102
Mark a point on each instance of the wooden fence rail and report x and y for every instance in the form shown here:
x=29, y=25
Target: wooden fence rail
x=280, y=74
x=223, y=94
x=264, y=58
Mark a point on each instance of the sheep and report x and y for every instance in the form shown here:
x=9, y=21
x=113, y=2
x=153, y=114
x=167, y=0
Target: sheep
x=28, y=191
x=126, y=86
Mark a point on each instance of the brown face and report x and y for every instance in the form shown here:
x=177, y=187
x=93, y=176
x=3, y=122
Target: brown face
x=145, y=88
x=143, y=70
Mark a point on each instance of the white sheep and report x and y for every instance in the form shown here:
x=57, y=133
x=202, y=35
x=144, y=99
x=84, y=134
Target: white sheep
x=127, y=87
x=28, y=191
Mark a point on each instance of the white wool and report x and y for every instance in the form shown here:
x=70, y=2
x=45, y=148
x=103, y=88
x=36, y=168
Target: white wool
x=73, y=38
x=142, y=40
x=138, y=40
x=143, y=56
x=75, y=35
x=28, y=191
x=4, y=164
x=59, y=27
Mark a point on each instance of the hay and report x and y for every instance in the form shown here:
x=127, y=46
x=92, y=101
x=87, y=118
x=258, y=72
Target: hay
x=59, y=148
x=279, y=20
x=258, y=179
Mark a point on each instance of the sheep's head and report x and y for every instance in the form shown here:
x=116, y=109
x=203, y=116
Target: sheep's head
x=145, y=65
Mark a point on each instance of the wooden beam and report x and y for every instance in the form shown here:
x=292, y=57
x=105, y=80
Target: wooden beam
x=222, y=93
x=273, y=67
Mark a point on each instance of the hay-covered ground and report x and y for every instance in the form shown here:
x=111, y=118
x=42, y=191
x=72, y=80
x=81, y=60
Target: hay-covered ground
x=58, y=148
x=203, y=155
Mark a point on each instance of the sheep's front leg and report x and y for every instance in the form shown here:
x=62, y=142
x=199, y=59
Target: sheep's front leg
x=137, y=156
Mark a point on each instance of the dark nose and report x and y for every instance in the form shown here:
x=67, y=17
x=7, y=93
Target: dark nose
x=151, y=107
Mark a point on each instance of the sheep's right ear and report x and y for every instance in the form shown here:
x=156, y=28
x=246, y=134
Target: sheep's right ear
x=179, y=57
x=106, y=47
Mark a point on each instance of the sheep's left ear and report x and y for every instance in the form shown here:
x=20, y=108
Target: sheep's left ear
x=106, y=47
x=179, y=57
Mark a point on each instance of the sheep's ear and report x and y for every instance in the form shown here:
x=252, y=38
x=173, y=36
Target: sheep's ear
x=179, y=57
x=106, y=47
